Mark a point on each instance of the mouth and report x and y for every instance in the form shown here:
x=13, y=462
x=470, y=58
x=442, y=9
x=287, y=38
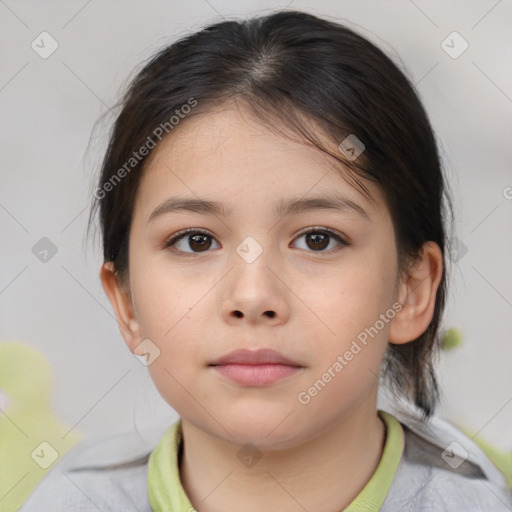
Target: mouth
x=255, y=369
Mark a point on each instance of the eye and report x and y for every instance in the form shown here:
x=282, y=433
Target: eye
x=318, y=238
x=196, y=240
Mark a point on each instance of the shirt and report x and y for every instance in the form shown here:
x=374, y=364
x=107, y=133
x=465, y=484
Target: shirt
x=426, y=466
x=164, y=469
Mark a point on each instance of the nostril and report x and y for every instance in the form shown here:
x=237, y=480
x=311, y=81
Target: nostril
x=271, y=314
x=239, y=314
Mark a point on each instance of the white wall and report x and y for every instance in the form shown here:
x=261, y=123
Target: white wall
x=48, y=109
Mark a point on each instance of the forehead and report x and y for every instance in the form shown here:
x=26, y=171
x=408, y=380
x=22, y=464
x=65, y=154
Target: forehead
x=230, y=154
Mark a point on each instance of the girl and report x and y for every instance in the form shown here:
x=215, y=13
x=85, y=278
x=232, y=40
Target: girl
x=273, y=213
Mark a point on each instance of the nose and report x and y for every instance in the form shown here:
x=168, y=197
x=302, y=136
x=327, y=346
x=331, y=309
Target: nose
x=252, y=293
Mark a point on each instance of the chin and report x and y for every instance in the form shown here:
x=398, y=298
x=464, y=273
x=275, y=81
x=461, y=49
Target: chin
x=263, y=429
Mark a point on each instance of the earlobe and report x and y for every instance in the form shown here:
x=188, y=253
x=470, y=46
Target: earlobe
x=417, y=293
x=119, y=297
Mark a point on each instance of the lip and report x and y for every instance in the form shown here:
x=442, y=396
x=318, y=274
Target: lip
x=251, y=357
x=255, y=368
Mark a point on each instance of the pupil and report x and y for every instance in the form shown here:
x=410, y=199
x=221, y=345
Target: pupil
x=317, y=238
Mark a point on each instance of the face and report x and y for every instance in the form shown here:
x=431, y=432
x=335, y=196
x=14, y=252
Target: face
x=305, y=282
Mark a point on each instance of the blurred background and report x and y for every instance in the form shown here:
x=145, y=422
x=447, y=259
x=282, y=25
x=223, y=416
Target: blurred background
x=64, y=64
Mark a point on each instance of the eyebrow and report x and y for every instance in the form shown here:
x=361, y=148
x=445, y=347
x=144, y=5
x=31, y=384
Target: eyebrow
x=282, y=208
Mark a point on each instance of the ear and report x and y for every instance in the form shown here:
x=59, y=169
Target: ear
x=119, y=295
x=417, y=293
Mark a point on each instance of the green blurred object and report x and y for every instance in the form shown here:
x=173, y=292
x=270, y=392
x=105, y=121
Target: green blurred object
x=32, y=439
x=452, y=338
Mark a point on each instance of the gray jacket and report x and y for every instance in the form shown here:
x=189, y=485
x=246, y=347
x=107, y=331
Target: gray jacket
x=441, y=470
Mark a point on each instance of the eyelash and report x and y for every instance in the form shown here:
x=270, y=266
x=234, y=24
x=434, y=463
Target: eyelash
x=315, y=229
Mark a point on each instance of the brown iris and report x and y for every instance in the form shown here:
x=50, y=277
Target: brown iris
x=199, y=242
x=319, y=240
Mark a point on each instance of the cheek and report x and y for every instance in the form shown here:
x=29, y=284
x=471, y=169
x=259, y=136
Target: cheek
x=170, y=383
x=352, y=319
x=349, y=300
x=173, y=309
x=172, y=325
x=162, y=296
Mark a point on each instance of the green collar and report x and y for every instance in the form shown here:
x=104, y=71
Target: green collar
x=166, y=492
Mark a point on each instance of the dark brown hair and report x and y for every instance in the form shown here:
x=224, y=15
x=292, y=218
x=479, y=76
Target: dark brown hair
x=295, y=71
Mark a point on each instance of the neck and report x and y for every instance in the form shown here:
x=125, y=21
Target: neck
x=324, y=474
